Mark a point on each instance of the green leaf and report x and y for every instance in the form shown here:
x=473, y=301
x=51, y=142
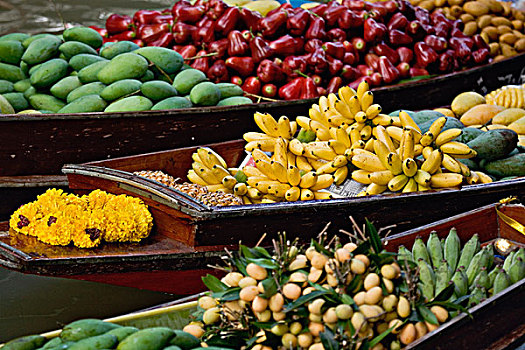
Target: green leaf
x=327, y=338
x=260, y=252
x=213, y=283
x=421, y=77
x=381, y=336
x=266, y=263
x=303, y=300
x=453, y=305
x=270, y=287
x=240, y=263
x=355, y=283
x=246, y=251
x=228, y=295
x=320, y=248
x=347, y=299
x=445, y=294
x=362, y=248
x=375, y=241
x=263, y=325
x=427, y=314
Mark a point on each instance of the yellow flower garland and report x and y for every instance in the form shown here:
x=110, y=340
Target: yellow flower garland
x=58, y=218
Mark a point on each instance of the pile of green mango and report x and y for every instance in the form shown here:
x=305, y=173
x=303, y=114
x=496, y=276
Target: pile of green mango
x=93, y=334
x=498, y=153
x=76, y=73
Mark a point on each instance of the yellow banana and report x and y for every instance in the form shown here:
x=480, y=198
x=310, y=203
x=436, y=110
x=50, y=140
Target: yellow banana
x=323, y=181
x=268, y=198
x=360, y=117
x=307, y=195
x=266, y=123
x=426, y=139
x=342, y=136
x=354, y=105
x=296, y=147
x=383, y=136
x=240, y=189
x=483, y=178
x=343, y=109
x=381, y=177
x=303, y=122
x=407, y=150
x=253, y=193
x=383, y=120
x=361, y=176
x=264, y=145
x=196, y=179
x=293, y=127
x=293, y=175
x=251, y=171
x=320, y=164
x=366, y=100
x=450, y=164
x=339, y=161
x=381, y=150
x=394, y=163
x=316, y=115
x=422, y=177
x=369, y=162
x=437, y=125
x=219, y=171
x=292, y=194
x=337, y=120
x=396, y=121
x=246, y=200
x=229, y=182
x=205, y=173
x=321, y=132
x=395, y=132
x=422, y=188
x=264, y=185
x=332, y=99
x=354, y=136
x=373, y=111
x=324, y=153
x=218, y=187
x=255, y=136
x=196, y=158
x=397, y=183
x=279, y=171
x=407, y=121
x=366, y=133
x=411, y=186
x=209, y=157
x=303, y=164
x=427, y=151
x=374, y=189
x=283, y=127
x=323, y=195
x=266, y=168
x=454, y=147
x=465, y=171
x=340, y=175
x=337, y=146
x=473, y=178
x=446, y=180
x=362, y=88
x=433, y=162
x=278, y=190
x=346, y=93
x=357, y=126
x=308, y=180
x=257, y=154
x=447, y=136
x=333, y=132
x=280, y=150
x=418, y=149
x=409, y=167
x=290, y=157
x=323, y=104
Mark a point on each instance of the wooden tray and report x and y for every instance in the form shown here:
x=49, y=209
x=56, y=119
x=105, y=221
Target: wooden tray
x=496, y=323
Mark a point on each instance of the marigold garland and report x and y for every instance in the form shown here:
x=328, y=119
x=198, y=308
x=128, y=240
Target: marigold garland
x=59, y=218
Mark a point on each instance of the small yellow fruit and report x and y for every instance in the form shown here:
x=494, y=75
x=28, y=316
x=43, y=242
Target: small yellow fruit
x=232, y=279
x=350, y=246
x=371, y=281
x=330, y=316
x=278, y=316
x=421, y=329
x=357, y=266
x=408, y=334
x=403, y=307
x=359, y=298
x=259, y=304
x=363, y=258
x=373, y=295
x=305, y=339
x=289, y=341
x=211, y=316
x=396, y=323
x=280, y=329
x=343, y=311
x=247, y=281
x=248, y=293
x=291, y=291
x=195, y=330
x=342, y=254
x=389, y=302
x=264, y=316
x=276, y=302
x=207, y=302
x=256, y=271
x=319, y=260
x=389, y=285
x=440, y=312
x=315, y=328
x=315, y=306
x=388, y=271
x=358, y=320
x=296, y=328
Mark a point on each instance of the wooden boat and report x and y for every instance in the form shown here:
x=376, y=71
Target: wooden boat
x=485, y=329
x=40, y=145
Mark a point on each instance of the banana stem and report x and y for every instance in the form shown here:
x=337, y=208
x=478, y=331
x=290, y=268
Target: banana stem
x=201, y=56
x=261, y=97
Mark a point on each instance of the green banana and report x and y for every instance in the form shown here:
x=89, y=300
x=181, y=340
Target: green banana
x=442, y=277
x=490, y=255
x=501, y=281
x=482, y=279
x=492, y=276
x=419, y=251
x=517, y=270
x=427, y=279
x=477, y=296
x=469, y=250
x=460, y=283
x=452, y=249
x=509, y=260
x=521, y=253
x=474, y=267
x=404, y=254
x=434, y=249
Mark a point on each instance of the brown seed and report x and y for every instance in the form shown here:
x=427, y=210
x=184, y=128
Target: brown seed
x=256, y=271
x=484, y=21
x=408, y=334
x=470, y=28
x=503, y=29
x=508, y=38
x=291, y=291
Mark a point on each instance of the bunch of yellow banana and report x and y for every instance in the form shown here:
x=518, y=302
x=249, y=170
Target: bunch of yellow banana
x=510, y=96
x=271, y=130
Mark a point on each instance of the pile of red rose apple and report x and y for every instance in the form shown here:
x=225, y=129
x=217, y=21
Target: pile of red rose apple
x=294, y=53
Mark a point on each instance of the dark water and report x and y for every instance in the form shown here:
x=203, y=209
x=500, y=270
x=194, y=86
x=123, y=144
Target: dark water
x=47, y=15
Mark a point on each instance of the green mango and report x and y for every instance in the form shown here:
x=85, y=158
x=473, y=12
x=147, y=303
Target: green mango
x=157, y=90
x=471, y=163
x=34, y=68
x=5, y=106
x=29, y=40
x=396, y=113
x=17, y=100
x=120, y=88
x=83, y=60
x=30, y=92
x=15, y=36
x=11, y=73
x=49, y=73
x=124, y=66
x=73, y=48
x=24, y=67
x=155, y=338
x=94, y=88
x=205, y=94
x=494, y=144
x=42, y=50
x=22, y=85
x=148, y=76
x=421, y=117
x=122, y=332
x=89, y=74
x=6, y=86
x=46, y=102
x=167, y=60
x=175, y=102
x=117, y=48
x=234, y=101
x=451, y=123
x=86, y=328
x=468, y=134
x=85, y=104
x=98, y=342
x=11, y=51
x=185, y=340
x=64, y=86
x=52, y=343
x=29, y=342
x=510, y=166
x=187, y=79
x=229, y=90
x=85, y=35
x=130, y=104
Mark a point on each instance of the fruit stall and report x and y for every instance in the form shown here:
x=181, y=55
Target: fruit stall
x=307, y=175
